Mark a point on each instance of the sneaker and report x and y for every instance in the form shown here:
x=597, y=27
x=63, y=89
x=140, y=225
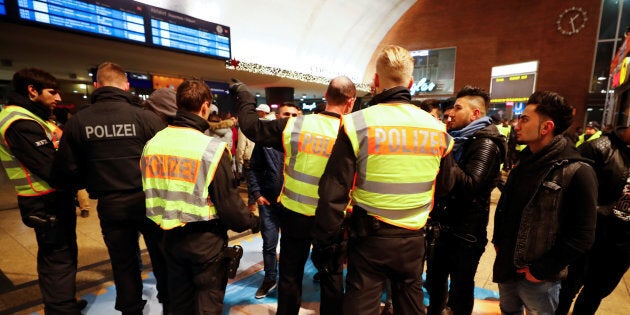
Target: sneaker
x=85, y=213
x=265, y=287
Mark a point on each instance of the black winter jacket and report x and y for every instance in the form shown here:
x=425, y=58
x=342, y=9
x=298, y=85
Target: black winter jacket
x=464, y=211
x=611, y=161
x=102, y=144
x=546, y=216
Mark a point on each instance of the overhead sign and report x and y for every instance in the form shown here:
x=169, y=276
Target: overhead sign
x=512, y=88
x=179, y=31
x=518, y=108
x=127, y=21
x=117, y=19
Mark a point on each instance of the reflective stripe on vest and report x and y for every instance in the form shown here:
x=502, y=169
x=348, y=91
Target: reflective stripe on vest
x=591, y=138
x=177, y=167
x=398, y=149
x=24, y=182
x=308, y=141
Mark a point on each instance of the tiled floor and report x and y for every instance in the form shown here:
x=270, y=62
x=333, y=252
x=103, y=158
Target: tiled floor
x=19, y=293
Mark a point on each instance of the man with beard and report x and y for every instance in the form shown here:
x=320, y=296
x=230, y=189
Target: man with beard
x=462, y=217
x=546, y=216
x=27, y=151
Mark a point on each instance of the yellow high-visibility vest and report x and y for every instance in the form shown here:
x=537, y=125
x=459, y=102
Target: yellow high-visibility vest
x=24, y=182
x=591, y=138
x=398, y=149
x=308, y=141
x=177, y=166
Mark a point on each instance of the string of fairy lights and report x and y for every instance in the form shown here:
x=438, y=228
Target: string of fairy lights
x=284, y=73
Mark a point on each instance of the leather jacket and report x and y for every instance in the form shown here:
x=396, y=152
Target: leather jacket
x=611, y=158
x=464, y=211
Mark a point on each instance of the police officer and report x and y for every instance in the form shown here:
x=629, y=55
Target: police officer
x=394, y=148
x=101, y=150
x=27, y=152
x=306, y=141
x=179, y=182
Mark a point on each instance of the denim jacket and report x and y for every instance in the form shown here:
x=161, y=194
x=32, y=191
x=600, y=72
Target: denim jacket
x=540, y=219
x=546, y=217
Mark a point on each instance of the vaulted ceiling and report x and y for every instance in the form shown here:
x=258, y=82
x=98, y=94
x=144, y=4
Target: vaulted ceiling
x=319, y=37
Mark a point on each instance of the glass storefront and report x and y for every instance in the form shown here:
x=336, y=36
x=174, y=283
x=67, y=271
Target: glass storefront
x=434, y=72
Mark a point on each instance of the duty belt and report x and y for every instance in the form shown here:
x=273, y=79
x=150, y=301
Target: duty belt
x=363, y=224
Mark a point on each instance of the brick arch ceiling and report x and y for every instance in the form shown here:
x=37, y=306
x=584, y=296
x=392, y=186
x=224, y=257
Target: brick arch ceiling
x=320, y=37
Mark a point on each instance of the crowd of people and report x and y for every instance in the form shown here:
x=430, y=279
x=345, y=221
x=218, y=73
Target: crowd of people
x=376, y=192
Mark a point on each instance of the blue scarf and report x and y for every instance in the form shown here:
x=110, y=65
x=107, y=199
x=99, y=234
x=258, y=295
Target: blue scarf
x=461, y=136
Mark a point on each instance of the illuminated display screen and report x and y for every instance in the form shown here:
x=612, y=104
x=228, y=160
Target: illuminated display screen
x=178, y=31
x=512, y=88
x=125, y=20
x=114, y=19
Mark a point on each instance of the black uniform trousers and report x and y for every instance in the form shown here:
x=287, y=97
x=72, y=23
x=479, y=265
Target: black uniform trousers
x=295, y=246
x=386, y=252
x=458, y=258
x=607, y=262
x=197, y=272
x=57, y=264
x=123, y=219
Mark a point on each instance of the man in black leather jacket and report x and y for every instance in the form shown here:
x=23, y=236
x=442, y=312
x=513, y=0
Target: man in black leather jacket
x=545, y=218
x=461, y=217
x=608, y=260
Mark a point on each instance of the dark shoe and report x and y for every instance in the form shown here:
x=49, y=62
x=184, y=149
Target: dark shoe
x=85, y=213
x=316, y=277
x=81, y=304
x=265, y=287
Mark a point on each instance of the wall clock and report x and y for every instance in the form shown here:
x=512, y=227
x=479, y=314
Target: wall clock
x=571, y=21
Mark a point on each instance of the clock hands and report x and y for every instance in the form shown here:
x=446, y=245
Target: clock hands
x=571, y=22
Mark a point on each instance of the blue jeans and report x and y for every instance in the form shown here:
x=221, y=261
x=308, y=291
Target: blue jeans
x=270, y=224
x=538, y=298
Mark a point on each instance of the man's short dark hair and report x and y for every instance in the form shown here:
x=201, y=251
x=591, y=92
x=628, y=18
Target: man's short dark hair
x=469, y=90
x=191, y=94
x=289, y=104
x=429, y=104
x=340, y=90
x=38, y=78
x=555, y=107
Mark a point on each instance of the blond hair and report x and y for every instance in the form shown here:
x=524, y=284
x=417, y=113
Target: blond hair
x=111, y=74
x=395, y=64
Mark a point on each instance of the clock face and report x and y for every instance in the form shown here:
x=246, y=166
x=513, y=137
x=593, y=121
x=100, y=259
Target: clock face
x=571, y=21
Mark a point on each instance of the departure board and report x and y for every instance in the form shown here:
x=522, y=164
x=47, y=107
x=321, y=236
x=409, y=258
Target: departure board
x=182, y=32
x=125, y=20
x=118, y=19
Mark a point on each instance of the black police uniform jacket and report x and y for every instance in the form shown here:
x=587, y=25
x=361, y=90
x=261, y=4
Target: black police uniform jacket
x=102, y=144
x=30, y=145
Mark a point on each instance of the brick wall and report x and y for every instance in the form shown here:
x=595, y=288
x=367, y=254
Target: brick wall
x=498, y=32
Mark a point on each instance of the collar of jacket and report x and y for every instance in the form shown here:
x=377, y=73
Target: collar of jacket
x=331, y=114
x=114, y=94
x=558, y=149
x=39, y=110
x=397, y=94
x=190, y=120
